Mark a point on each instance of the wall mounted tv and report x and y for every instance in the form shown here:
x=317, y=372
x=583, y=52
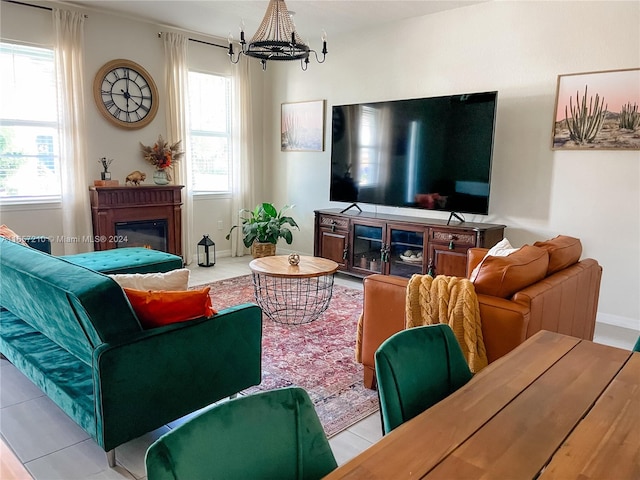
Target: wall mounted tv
x=430, y=153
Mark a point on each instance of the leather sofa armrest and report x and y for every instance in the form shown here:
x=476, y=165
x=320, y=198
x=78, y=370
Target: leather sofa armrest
x=474, y=257
x=504, y=325
x=565, y=302
x=382, y=315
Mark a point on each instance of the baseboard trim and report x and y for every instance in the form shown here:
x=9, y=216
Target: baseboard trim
x=618, y=321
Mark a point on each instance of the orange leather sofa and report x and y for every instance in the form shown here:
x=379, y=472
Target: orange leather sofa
x=563, y=298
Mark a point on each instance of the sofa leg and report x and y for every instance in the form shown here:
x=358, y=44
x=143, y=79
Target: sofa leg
x=111, y=458
x=369, y=377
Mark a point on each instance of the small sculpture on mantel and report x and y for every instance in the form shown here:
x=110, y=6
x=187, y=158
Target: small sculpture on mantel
x=105, y=174
x=135, y=178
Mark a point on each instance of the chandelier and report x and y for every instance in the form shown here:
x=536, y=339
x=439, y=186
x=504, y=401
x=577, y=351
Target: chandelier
x=276, y=39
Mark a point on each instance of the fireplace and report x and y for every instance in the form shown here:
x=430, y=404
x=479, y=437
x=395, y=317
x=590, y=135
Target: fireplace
x=146, y=233
x=144, y=216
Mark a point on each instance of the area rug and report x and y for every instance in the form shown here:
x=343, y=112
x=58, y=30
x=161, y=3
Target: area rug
x=318, y=356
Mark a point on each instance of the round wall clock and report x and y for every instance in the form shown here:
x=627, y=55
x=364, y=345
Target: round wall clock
x=125, y=94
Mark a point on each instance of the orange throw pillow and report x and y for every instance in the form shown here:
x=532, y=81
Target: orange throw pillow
x=504, y=276
x=6, y=232
x=163, y=307
x=563, y=251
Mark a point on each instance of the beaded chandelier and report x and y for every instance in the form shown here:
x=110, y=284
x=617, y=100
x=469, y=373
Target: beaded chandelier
x=276, y=39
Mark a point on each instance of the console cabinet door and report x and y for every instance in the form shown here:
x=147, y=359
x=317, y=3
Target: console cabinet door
x=334, y=246
x=366, y=247
x=446, y=261
x=448, y=251
x=404, y=252
x=333, y=238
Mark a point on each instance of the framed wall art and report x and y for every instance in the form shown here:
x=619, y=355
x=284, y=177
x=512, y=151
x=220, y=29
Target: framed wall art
x=597, y=110
x=302, y=126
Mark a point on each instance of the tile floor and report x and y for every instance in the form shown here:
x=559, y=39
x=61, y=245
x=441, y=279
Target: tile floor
x=51, y=446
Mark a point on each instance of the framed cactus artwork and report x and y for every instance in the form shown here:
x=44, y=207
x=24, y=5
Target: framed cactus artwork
x=597, y=110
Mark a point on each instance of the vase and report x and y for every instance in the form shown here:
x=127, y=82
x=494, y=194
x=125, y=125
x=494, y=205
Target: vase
x=160, y=177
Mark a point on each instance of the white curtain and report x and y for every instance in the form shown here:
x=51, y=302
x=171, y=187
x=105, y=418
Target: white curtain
x=176, y=82
x=243, y=174
x=69, y=60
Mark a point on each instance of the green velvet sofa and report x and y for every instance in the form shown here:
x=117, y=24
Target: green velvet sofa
x=72, y=331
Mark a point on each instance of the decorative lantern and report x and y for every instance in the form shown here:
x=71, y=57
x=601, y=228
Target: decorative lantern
x=204, y=252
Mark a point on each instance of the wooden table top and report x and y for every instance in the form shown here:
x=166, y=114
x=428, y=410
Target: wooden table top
x=557, y=407
x=278, y=266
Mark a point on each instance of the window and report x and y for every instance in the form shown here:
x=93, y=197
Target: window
x=29, y=158
x=210, y=132
x=369, y=146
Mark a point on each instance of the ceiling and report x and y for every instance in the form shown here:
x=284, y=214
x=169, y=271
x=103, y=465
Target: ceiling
x=219, y=18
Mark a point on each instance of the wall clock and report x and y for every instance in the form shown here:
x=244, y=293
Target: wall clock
x=125, y=94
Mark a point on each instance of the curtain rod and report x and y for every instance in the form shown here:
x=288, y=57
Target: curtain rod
x=16, y=2
x=200, y=41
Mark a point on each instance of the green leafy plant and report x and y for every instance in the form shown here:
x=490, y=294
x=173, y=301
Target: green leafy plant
x=265, y=224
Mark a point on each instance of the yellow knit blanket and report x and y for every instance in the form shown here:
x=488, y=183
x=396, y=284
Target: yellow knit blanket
x=450, y=300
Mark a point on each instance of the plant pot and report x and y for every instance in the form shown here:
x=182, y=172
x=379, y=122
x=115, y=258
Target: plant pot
x=259, y=250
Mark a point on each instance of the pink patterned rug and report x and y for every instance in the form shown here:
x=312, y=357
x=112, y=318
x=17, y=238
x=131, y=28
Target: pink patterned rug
x=317, y=356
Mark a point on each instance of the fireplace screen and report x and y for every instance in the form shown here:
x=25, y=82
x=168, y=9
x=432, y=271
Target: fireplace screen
x=147, y=233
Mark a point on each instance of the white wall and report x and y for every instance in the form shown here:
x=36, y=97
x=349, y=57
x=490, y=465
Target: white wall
x=108, y=37
x=518, y=48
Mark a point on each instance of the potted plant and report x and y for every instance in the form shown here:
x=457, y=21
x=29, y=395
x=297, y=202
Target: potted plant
x=263, y=226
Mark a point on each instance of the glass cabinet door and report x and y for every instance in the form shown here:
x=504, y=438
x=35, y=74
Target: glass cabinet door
x=367, y=248
x=405, y=252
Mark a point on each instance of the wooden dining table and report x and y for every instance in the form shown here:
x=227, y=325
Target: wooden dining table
x=556, y=407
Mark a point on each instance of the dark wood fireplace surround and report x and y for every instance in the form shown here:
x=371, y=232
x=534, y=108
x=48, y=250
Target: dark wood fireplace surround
x=111, y=205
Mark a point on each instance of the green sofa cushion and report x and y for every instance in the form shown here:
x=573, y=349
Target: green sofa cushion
x=75, y=307
x=127, y=260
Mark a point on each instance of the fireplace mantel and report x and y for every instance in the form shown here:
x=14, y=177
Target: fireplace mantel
x=111, y=205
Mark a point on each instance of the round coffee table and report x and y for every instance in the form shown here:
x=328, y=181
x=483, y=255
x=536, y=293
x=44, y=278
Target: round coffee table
x=293, y=294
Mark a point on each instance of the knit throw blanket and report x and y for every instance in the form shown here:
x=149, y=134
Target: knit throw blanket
x=450, y=300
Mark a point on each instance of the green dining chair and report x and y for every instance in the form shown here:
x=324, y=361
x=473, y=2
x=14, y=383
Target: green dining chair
x=636, y=347
x=270, y=435
x=415, y=369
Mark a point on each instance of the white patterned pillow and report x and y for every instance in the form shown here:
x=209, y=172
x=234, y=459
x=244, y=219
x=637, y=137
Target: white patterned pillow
x=173, y=280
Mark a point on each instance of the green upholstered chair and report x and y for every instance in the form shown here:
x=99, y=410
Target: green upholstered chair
x=636, y=347
x=274, y=434
x=415, y=369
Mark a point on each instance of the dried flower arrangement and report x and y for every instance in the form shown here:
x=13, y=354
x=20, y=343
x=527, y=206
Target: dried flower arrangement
x=162, y=155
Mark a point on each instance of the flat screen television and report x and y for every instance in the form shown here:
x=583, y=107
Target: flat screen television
x=429, y=153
